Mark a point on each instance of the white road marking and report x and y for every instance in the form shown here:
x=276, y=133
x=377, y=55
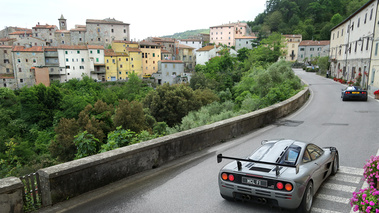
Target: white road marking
x=351, y=170
x=346, y=178
x=322, y=210
x=339, y=187
x=333, y=198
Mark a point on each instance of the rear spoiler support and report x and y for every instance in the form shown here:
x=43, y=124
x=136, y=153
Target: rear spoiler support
x=239, y=164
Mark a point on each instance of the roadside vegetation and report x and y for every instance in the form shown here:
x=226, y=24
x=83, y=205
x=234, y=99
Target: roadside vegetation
x=43, y=126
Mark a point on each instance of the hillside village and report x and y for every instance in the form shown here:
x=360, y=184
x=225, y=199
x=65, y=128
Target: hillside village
x=102, y=49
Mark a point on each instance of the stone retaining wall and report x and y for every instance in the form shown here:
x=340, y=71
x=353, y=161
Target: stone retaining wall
x=71, y=179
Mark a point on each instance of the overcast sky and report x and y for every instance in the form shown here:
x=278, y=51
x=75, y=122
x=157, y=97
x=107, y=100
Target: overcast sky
x=146, y=18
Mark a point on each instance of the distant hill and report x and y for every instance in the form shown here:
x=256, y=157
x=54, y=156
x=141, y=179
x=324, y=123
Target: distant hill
x=186, y=34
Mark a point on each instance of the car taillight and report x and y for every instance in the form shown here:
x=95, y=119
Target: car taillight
x=279, y=185
x=347, y=92
x=288, y=187
x=224, y=176
x=363, y=92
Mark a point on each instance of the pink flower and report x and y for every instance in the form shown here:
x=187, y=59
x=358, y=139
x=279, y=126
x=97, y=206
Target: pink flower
x=372, y=203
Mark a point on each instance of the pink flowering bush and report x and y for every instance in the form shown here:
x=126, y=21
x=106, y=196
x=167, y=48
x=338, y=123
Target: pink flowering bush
x=366, y=200
x=371, y=170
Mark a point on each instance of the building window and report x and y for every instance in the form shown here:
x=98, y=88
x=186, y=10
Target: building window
x=66, y=52
x=107, y=67
x=82, y=59
x=19, y=69
x=112, y=30
x=97, y=59
x=376, y=49
x=21, y=80
x=19, y=60
x=81, y=67
x=66, y=59
x=372, y=10
x=365, y=18
x=98, y=51
x=78, y=51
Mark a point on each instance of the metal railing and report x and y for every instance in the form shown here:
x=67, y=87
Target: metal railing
x=32, y=193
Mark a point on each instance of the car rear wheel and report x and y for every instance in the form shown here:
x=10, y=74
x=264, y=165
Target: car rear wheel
x=306, y=202
x=336, y=164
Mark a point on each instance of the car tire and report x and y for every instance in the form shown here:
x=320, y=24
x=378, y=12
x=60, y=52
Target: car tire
x=306, y=202
x=227, y=197
x=344, y=99
x=336, y=164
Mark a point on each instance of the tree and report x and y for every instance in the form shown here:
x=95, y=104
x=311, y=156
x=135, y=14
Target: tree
x=63, y=147
x=130, y=115
x=171, y=103
x=86, y=145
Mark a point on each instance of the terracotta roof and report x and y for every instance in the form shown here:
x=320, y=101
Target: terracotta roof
x=105, y=21
x=314, y=43
x=171, y=61
x=5, y=47
x=8, y=39
x=62, y=31
x=46, y=26
x=148, y=43
x=72, y=47
x=21, y=32
x=206, y=48
x=79, y=29
x=182, y=46
x=30, y=49
x=95, y=47
x=51, y=49
x=110, y=52
x=165, y=51
x=133, y=49
x=246, y=37
x=126, y=42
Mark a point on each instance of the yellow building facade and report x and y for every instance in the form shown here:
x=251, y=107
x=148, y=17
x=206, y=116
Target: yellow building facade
x=124, y=58
x=151, y=54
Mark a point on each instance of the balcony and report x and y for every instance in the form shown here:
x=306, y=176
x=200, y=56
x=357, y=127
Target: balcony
x=51, y=54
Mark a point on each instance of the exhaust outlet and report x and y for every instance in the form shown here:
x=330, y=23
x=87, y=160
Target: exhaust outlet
x=264, y=201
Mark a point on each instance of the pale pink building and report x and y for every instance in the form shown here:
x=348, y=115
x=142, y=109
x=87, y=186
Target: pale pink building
x=225, y=34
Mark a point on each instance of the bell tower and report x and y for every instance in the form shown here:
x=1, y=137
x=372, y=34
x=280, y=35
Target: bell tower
x=62, y=23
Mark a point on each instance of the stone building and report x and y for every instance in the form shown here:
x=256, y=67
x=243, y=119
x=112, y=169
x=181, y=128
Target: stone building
x=25, y=58
x=6, y=68
x=45, y=32
x=103, y=32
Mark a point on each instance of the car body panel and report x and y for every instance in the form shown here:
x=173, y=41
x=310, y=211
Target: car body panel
x=354, y=93
x=260, y=168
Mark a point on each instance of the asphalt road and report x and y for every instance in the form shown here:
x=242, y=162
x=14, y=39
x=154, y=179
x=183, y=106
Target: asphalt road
x=190, y=184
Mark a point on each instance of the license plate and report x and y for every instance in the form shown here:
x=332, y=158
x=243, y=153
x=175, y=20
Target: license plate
x=253, y=181
x=355, y=92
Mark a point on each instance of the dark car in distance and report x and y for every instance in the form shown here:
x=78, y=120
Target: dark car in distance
x=354, y=93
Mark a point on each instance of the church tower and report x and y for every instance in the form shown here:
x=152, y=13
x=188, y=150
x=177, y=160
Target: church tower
x=62, y=23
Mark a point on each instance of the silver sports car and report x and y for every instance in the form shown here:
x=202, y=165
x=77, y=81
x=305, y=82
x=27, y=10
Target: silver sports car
x=284, y=173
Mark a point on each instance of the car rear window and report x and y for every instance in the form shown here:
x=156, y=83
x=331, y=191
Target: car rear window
x=277, y=153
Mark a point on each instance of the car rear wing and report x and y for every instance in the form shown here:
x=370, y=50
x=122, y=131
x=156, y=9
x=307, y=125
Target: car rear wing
x=239, y=164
